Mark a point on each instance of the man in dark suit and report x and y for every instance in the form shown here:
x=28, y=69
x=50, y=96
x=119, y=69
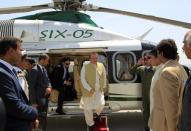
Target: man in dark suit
x=18, y=112
x=40, y=88
x=185, y=107
x=61, y=81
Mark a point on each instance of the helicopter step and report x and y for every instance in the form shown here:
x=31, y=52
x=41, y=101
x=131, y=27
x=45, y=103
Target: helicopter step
x=72, y=108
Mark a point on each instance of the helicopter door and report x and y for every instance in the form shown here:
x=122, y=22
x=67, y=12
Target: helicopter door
x=82, y=55
x=125, y=92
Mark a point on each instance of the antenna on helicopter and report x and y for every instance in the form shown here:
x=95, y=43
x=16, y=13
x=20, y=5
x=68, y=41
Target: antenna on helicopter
x=141, y=37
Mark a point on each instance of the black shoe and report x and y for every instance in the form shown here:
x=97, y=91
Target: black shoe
x=98, y=118
x=91, y=128
x=147, y=129
x=60, y=111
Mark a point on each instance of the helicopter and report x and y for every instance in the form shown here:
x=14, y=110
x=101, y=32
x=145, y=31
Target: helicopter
x=69, y=32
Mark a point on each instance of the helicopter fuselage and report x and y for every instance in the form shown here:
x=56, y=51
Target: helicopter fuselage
x=59, y=39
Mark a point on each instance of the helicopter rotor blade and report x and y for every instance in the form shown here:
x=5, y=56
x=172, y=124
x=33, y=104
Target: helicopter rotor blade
x=142, y=16
x=24, y=8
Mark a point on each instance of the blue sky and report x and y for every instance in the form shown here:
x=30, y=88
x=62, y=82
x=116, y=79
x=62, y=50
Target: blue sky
x=172, y=9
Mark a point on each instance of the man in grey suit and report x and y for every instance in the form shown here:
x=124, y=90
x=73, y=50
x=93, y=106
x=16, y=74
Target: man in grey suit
x=40, y=88
x=185, y=107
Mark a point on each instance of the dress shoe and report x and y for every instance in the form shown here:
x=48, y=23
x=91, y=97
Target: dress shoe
x=91, y=128
x=60, y=111
x=98, y=118
x=147, y=129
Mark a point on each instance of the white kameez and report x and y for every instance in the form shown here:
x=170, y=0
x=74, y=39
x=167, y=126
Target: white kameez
x=97, y=100
x=94, y=103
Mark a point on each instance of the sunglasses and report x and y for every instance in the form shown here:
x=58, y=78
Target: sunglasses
x=67, y=63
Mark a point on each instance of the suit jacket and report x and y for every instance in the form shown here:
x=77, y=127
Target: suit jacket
x=58, y=78
x=185, y=119
x=19, y=113
x=167, y=97
x=38, y=82
x=2, y=115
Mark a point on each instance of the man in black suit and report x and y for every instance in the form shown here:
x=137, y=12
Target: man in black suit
x=185, y=118
x=40, y=88
x=18, y=112
x=61, y=82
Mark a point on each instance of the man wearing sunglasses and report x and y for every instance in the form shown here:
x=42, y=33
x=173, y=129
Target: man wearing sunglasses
x=61, y=81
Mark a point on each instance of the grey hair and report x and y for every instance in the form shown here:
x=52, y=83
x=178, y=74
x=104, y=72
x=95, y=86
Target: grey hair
x=187, y=37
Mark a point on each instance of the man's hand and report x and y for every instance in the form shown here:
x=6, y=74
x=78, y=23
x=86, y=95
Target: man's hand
x=34, y=105
x=35, y=124
x=91, y=92
x=65, y=82
x=48, y=91
x=141, y=61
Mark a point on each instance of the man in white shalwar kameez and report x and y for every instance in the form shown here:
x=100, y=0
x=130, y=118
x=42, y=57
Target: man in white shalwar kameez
x=93, y=77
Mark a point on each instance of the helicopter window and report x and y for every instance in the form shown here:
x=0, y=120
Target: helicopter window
x=123, y=62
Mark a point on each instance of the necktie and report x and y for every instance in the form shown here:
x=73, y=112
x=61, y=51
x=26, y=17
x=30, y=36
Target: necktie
x=44, y=72
x=14, y=72
x=67, y=74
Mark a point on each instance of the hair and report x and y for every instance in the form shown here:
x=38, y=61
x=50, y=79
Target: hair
x=31, y=61
x=168, y=48
x=64, y=59
x=187, y=37
x=8, y=42
x=43, y=57
x=153, y=52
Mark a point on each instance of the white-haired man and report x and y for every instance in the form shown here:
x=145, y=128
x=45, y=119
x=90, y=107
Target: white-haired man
x=185, y=118
x=93, y=77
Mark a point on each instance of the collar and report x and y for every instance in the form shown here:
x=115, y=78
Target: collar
x=167, y=62
x=17, y=69
x=159, y=66
x=6, y=64
x=41, y=66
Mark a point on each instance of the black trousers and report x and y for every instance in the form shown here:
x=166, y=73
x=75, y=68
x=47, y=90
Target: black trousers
x=66, y=93
x=42, y=111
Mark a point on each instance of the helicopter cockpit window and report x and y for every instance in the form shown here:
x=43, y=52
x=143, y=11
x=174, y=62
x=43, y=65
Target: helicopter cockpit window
x=123, y=62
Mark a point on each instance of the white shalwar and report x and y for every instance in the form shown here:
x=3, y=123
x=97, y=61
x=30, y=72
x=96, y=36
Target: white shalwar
x=96, y=102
